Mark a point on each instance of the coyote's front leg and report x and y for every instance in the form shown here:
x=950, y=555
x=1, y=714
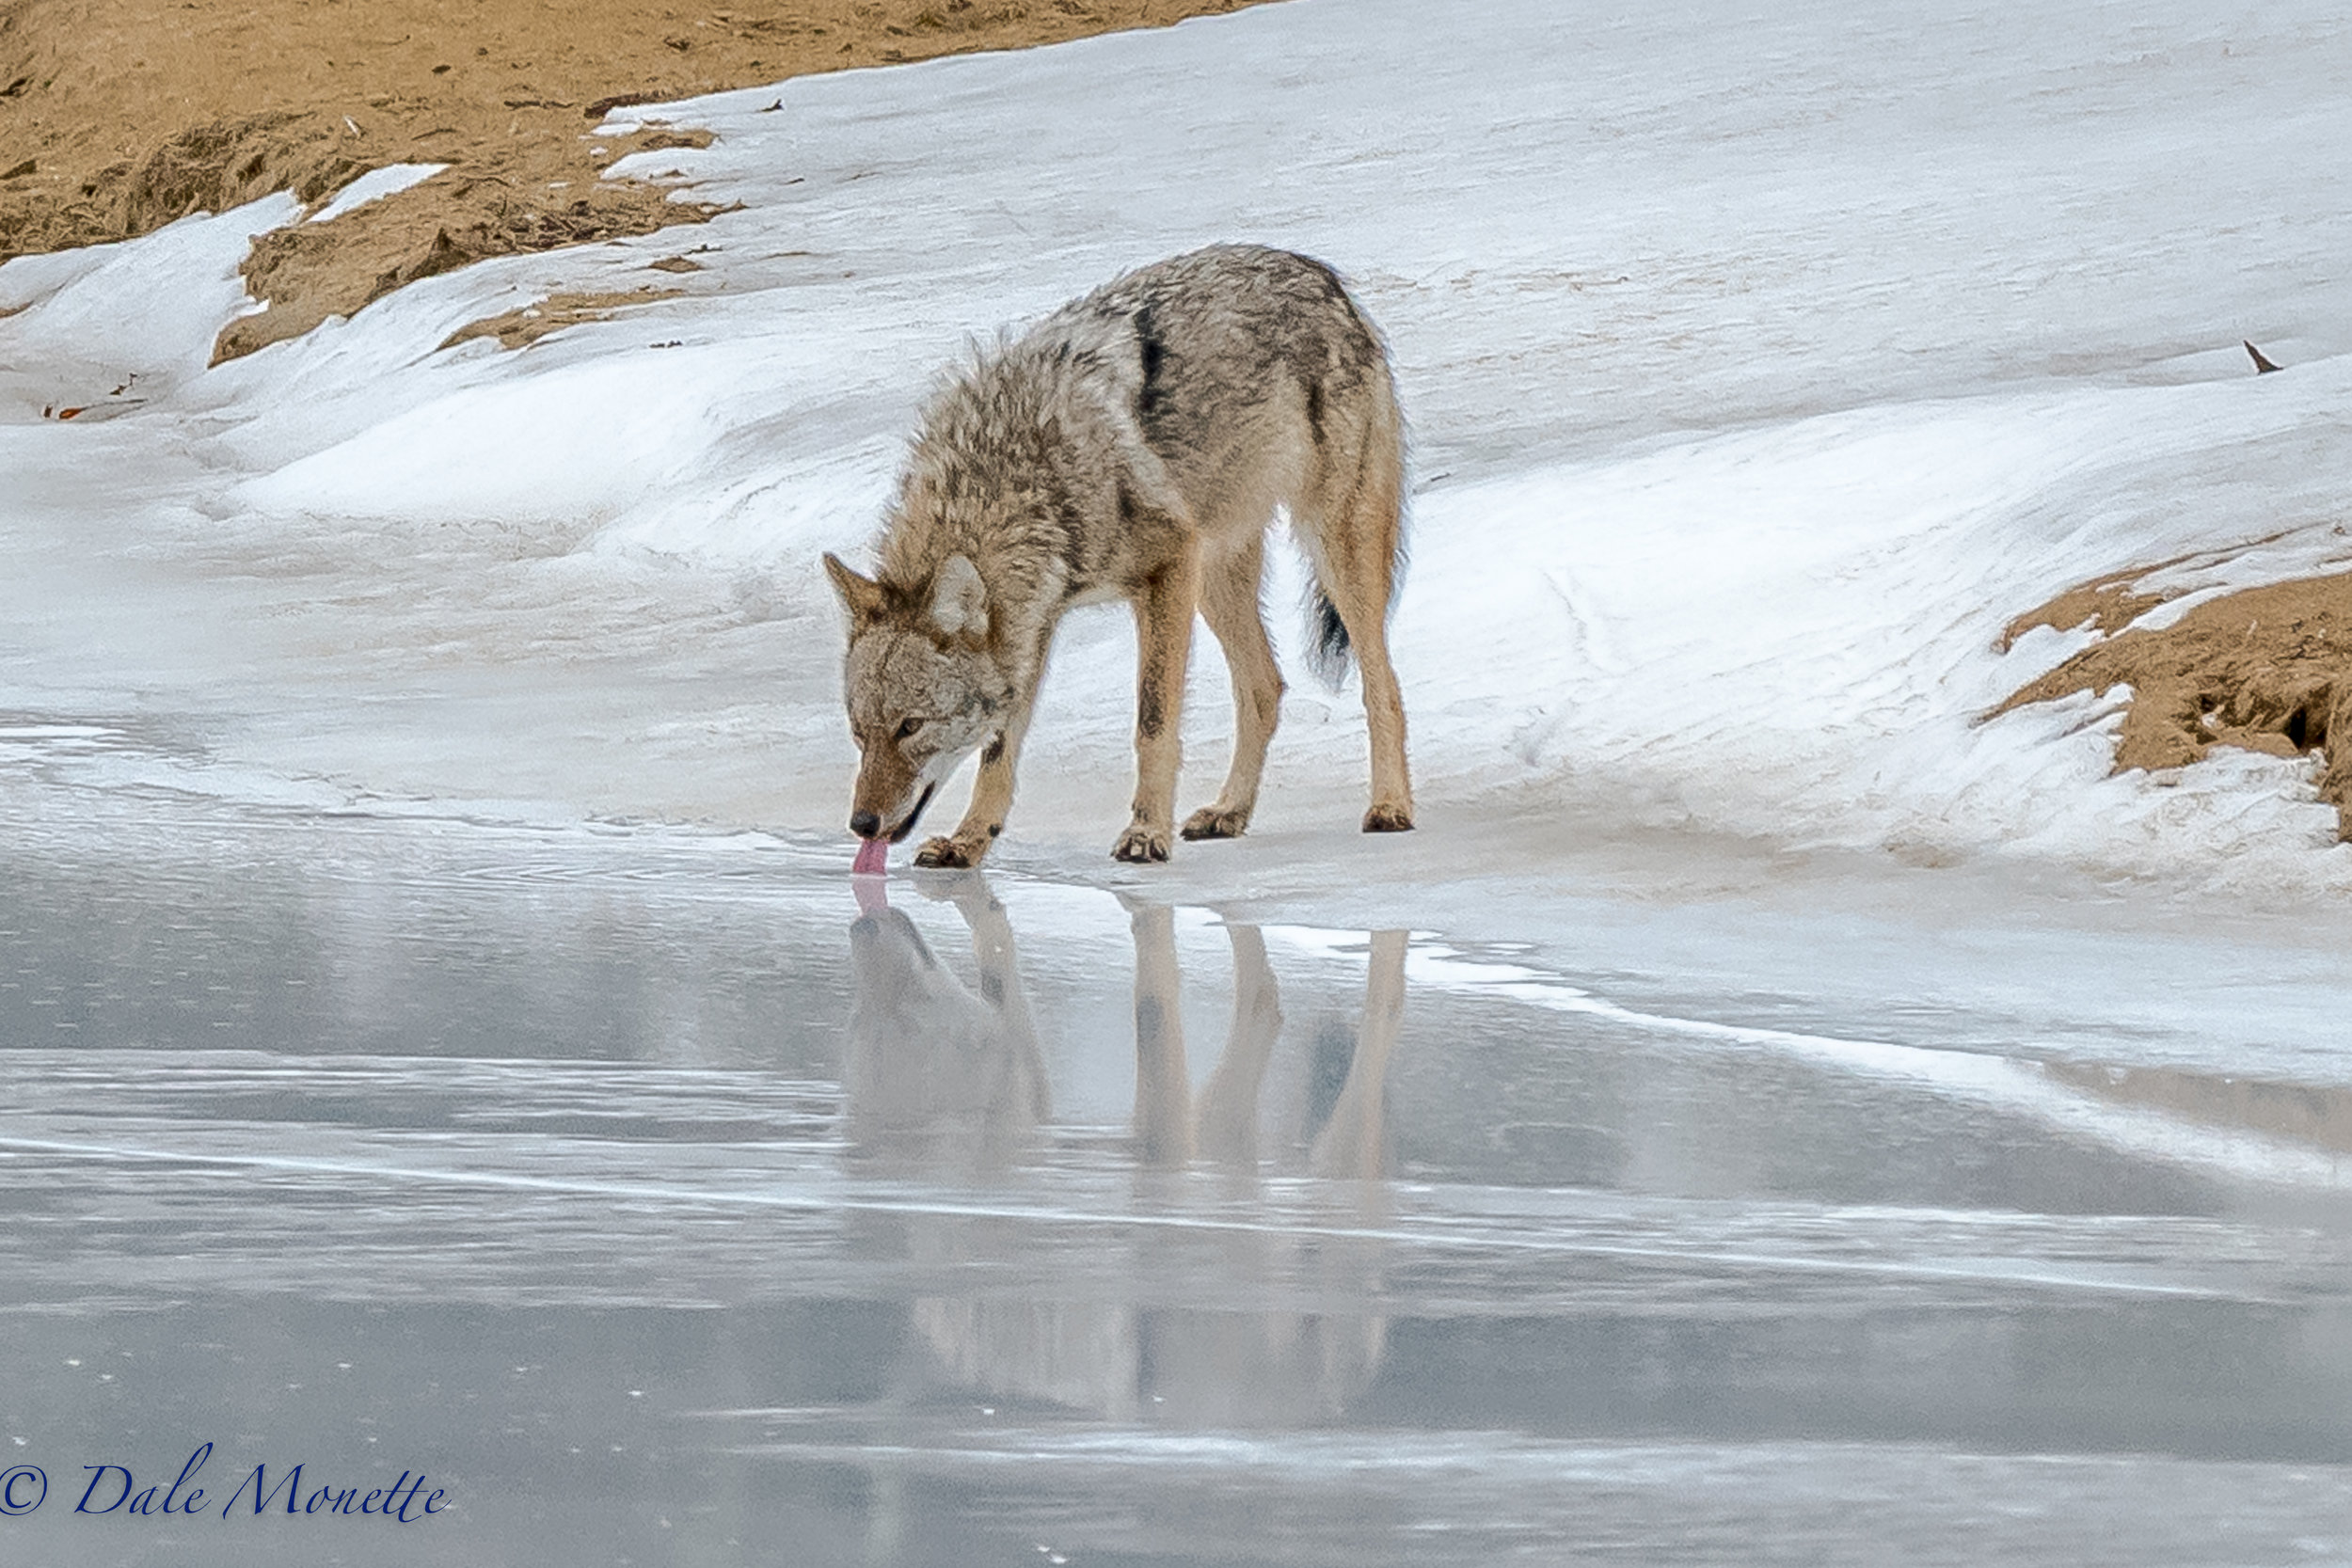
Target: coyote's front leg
x=1164, y=611
x=992, y=797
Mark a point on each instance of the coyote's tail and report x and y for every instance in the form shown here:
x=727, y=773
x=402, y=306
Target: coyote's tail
x=1327, y=639
x=1356, y=543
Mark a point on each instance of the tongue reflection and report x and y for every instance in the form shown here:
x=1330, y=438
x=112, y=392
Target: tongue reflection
x=873, y=858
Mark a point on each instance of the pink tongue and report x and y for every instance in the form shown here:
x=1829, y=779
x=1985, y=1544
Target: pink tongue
x=873, y=858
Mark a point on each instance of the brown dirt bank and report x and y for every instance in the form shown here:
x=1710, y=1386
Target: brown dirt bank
x=119, y=116
x=2267, y=668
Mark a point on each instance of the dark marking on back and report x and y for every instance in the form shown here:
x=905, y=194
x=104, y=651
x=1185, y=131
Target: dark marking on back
x=1152, y=350
x=1315, y=409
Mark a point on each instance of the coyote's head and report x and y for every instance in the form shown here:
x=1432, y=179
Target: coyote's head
x=923, y=685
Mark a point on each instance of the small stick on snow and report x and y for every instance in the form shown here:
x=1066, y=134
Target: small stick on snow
x=2262, y=366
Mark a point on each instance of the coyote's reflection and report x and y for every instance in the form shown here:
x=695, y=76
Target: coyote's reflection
x=936, y=1078
x=1277, y=1327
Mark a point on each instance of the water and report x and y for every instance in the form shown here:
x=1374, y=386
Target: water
x=664, y=1198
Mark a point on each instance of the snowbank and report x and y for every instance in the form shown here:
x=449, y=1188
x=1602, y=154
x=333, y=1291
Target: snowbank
x=1760, y=368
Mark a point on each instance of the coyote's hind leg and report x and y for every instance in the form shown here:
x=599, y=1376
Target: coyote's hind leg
x=1358, y=570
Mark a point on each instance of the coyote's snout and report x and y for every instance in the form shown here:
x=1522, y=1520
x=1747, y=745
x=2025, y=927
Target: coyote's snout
x=1132, y=445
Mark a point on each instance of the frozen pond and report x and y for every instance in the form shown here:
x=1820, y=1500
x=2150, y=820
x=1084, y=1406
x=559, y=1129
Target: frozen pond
x=1768, y=1111
x=664, y=1198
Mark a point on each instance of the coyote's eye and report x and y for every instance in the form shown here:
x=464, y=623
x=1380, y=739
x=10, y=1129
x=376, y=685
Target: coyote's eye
x=907, y=728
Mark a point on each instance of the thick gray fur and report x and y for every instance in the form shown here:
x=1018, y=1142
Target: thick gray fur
x=1134, y=444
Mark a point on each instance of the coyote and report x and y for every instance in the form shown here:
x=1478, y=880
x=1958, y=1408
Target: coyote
x=1135, y=445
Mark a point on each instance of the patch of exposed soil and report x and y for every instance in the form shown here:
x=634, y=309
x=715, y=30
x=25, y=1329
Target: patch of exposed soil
x=2107, y=604
x=119, y=116
x=522, y=328
x=2267, y=668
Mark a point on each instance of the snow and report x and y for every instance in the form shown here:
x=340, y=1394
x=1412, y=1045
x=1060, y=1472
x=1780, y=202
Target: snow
x=149, y=308
x=375, y=185
x=1760, y=368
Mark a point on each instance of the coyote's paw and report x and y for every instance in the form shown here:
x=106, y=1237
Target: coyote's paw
x=1209, y=822
x=948, y=854
x=1142, y=846
x=1389, y=819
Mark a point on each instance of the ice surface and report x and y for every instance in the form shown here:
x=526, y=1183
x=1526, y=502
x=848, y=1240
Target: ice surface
x=665, y=1201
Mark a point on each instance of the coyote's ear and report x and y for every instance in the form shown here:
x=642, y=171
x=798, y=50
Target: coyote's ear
x=959, y=599
x=861, y=596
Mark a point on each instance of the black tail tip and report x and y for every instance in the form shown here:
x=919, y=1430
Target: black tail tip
x=1329, y=648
